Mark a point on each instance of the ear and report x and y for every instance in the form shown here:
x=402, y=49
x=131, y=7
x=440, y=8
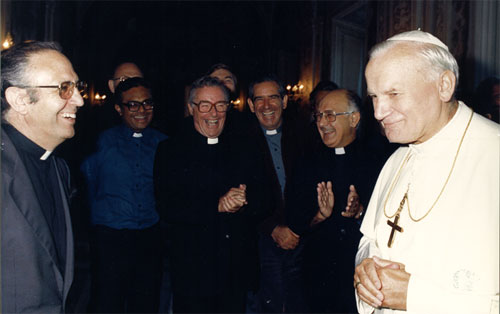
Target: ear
x=190, y=109
x=251, y=105
x=118, y=109
x=355, y=117
x=18, y=99
x=111, y=86
x=285, y=101
x=447, y=82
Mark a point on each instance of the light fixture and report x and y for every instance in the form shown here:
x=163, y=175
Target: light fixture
x=8, y=42
x=295, y=90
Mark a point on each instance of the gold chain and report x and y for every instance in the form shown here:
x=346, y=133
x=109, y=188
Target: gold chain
x=394, y=183
x=442, y=190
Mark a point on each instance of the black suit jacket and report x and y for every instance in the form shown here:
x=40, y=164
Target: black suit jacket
x=210, y=252
x=31, y=279
x=295, y=141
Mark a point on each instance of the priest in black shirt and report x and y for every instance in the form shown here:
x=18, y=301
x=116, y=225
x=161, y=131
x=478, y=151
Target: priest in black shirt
x=325, y=201
x=211, y=192
x=40, y=98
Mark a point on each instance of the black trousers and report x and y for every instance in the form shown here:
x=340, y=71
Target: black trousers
x=281, y=282
x=229, y=302
x=126, y=270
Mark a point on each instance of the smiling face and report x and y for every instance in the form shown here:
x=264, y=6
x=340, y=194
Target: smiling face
x=209, y=124
x=268, y=105
x=50, y=120
x=140, y=119
x=342, y=131
x=410, y=106
x=226, y=78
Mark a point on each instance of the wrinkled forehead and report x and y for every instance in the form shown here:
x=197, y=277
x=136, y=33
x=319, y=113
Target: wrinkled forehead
x=402, y=54
x=266, y=88
x=222, y=74
x=49, y=67
x=335, y=101
x=209, y=93
x=127, y=69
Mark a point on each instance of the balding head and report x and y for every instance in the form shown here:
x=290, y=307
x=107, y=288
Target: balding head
x=122, y=72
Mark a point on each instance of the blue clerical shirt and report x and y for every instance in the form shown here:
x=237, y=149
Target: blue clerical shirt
x=274, y=143
x=120, y=178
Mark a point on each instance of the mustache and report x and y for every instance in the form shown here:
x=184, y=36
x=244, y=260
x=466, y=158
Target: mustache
x=327, y=129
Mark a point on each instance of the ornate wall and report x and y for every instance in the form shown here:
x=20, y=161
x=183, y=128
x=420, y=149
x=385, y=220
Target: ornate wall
x=469, y=28
x=448, y=20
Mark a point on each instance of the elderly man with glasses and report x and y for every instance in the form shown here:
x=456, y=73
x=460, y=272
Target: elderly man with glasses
x=40, y=99
x=126, y=236
x=326, y=199
x=211, y=191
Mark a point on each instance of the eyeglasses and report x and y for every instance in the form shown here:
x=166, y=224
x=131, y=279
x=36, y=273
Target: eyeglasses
x=205, y=106
x=65, y=88
x=330, y=115
x=122, y=78
x=133, y=106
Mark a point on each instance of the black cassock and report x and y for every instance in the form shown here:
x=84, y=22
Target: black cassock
x=331, y=246
x=211, y=253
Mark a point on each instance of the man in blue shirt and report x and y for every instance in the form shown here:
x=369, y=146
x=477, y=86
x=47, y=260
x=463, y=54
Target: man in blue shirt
x=126, y=246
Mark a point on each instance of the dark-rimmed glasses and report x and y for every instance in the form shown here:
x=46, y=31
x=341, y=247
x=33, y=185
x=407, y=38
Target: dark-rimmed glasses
x=65, y=88
x=205, y=106
x=330, y=115
x=133, y=106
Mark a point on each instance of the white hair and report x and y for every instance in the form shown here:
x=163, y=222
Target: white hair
x=430, y=48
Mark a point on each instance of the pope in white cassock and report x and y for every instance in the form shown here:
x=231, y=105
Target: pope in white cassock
x=430, y=236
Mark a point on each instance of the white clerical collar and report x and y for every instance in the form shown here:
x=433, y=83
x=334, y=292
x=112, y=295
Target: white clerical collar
x=339, y=151
x=137, y=134
x=272, y=132
x=46, y=155
x=211, y=141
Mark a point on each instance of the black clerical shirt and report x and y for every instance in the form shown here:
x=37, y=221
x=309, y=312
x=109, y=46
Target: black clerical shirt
x=43, y=176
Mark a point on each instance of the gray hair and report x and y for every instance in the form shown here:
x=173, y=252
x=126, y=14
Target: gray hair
x=433, y=53
x=354, y=101
x=263, y=79
x=207, y=81
x=15, y=66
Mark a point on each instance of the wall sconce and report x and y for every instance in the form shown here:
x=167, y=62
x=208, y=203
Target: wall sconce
x=296, y=89
x=8, y=42
x=99, y=99
x=236, y=103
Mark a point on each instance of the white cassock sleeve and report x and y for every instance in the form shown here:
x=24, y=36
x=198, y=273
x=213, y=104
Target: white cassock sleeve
x=367, y=247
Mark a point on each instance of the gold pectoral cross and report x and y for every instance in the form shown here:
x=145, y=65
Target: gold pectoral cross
x=394, y=225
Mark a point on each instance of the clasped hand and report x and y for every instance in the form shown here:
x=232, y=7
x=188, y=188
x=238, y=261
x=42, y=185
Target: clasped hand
x=285, y=238
x=382, y=283
x=233, y=200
